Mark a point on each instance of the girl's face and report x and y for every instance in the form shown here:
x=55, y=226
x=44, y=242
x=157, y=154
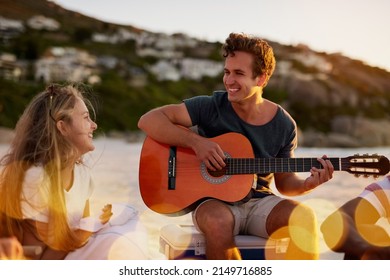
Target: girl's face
x=80, y=129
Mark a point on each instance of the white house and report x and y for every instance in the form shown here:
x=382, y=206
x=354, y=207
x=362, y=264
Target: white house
x=65, y=64
x=40, y=22
x=195, y=69
x=165, y=70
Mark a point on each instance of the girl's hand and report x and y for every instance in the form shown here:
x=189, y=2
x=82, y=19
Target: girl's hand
x=10, y=248
x=107, y=213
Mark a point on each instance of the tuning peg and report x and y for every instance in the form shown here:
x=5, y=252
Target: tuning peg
x=357, y=175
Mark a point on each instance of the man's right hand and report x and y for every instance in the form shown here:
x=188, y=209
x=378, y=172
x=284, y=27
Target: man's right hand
x=210, y=153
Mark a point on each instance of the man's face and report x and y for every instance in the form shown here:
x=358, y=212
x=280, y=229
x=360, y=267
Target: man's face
x=238, y=76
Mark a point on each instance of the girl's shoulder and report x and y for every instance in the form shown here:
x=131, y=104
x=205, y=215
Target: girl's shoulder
x=34, y=174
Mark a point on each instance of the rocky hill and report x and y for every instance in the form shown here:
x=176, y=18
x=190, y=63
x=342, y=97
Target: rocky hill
x=336, y=101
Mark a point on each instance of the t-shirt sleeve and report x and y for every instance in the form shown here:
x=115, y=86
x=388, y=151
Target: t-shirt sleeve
x=35, y=195
x=288, y=133
x=198, y=108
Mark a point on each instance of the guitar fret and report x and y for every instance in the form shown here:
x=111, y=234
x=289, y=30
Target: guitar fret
x=276, y=165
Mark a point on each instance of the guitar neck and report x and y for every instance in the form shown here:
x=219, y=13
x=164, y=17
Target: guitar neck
x=275, y=165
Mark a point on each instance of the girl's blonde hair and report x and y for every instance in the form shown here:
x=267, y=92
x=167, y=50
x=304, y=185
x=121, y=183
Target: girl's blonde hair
x=38, y=142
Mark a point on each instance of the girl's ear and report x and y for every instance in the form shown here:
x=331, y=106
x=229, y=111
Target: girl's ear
x=62, y=127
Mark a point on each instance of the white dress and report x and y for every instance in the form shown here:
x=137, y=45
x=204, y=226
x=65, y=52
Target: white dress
x=124, y=237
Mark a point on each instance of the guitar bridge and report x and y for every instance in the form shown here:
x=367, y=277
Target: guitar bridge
x=172, y=168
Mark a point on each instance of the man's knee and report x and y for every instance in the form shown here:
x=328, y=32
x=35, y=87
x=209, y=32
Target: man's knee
x=214, y=216
x=304, y=215
x=291, y=213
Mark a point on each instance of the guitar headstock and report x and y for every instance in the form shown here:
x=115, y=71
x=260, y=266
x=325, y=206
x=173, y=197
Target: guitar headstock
x=366, y=165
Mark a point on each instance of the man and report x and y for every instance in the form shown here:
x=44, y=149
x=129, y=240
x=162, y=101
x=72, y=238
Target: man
x=361, y=227
x=249, y=63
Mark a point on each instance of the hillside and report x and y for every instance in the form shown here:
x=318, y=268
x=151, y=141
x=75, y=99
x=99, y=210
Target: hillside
x=336, y=101
x=25, y=9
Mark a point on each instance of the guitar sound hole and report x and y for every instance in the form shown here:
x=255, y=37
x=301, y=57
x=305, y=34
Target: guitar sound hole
x=217, y=173
x=215, y=177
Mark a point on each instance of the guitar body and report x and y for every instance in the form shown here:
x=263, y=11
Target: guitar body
x=172, y=180
x=191, y=182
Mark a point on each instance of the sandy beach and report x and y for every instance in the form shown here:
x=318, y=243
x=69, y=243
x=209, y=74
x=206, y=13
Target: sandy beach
x=115, y=172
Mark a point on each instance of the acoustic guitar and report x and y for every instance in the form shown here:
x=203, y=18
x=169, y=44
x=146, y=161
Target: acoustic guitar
x=172, y=180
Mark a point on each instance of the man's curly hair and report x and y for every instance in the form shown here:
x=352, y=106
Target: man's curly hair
x=264, y=60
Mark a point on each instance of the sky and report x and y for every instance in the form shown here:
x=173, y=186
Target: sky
x=358, y=29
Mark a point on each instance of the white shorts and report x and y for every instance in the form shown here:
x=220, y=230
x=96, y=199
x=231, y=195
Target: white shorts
x=251, y=217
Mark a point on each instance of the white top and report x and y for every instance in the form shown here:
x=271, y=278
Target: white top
x=122, y=238
x=34, y=201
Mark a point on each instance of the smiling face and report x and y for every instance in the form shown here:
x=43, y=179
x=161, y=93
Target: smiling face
x=79, y=129
x=238, y=77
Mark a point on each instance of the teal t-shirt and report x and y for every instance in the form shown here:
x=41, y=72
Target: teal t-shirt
x=214, y=115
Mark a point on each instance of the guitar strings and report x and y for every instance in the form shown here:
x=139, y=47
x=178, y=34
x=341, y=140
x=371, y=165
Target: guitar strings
x=274, y=165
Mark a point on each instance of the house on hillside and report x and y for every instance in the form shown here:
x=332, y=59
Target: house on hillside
x=40, y=22
x=10, y=28
x=165, y=70
x=189, y=68
x=195, y=69
x=311, y=59
x=11, y=68
x=65, y=64
x=122, y=35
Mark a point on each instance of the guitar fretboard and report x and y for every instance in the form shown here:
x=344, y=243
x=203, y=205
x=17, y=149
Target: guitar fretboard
x=275, y=165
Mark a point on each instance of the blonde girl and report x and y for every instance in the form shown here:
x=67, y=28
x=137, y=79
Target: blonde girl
x=45, y=186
